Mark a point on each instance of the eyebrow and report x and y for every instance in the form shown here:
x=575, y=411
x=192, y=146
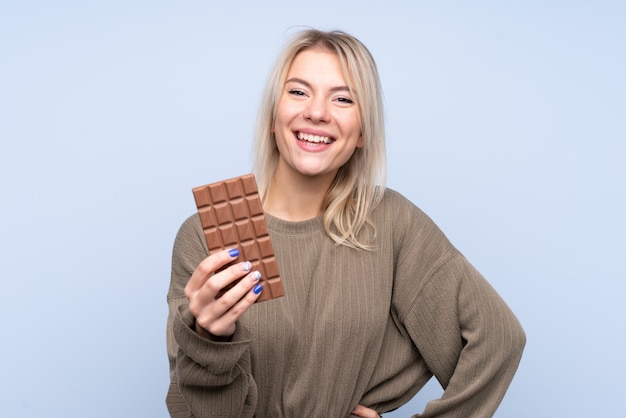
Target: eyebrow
x=307, y=84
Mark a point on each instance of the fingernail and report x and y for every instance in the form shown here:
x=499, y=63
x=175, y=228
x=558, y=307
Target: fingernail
x=256, y=276
x=233, y=252
x=247, y=266
x=257, y=289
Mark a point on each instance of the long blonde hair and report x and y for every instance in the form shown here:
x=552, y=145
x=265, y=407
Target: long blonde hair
x=359, y=184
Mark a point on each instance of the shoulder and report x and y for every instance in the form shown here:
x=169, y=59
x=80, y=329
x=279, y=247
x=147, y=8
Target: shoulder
x=397, y=208
x=410, y=227
x=190, y=237
x=190, y=226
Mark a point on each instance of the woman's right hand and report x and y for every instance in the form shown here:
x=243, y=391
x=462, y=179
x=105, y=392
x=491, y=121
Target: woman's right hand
x=217, y=316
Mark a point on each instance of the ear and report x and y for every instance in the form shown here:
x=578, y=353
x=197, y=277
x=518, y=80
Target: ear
x=360, y=142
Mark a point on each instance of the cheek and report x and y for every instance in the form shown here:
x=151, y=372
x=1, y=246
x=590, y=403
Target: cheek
x=281, y=132
x=357, y=130
x=279, y=119
x=278, y=128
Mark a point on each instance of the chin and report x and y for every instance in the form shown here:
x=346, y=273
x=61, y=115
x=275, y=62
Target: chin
x=307, y=170
x=308, y=173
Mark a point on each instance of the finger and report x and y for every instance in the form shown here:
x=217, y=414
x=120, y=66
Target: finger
x=365, y=412
x=207, y=267
x=220, y=316
x=214, y=286
x=224, y=322
x=235, y=289
x=225, y=279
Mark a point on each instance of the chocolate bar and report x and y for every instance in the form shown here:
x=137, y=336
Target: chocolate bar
x=231, y=215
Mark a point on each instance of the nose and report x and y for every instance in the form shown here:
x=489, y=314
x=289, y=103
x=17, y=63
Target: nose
x=317, y=110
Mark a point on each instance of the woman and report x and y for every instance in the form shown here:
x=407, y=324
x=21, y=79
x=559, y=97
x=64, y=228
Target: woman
x=377, y=299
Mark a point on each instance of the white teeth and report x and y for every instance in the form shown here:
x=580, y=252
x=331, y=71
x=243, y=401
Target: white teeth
x=314, y=138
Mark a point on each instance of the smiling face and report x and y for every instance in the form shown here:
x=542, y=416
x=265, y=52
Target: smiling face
x=317, y=125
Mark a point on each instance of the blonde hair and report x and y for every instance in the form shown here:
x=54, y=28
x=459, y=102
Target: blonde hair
x=358, y=186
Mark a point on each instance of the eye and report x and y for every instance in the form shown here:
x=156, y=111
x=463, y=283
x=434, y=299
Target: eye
x=295, y=92
x=345, y=100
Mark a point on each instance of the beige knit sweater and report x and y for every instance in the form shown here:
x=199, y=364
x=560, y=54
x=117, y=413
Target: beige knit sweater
x=355, y=327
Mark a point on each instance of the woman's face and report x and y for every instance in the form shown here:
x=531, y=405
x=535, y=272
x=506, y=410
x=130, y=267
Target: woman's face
x=317, y=125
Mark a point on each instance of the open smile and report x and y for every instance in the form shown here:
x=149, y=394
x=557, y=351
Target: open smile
x=314, y=139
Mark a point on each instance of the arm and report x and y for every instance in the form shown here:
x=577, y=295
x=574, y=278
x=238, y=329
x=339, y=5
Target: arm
x=469, y=338
x=208, y=378
x=466, y=334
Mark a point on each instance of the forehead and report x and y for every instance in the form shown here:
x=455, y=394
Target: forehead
x=318, y=64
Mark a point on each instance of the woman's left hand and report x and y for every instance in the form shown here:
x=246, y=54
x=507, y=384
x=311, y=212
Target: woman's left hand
x=364, y=412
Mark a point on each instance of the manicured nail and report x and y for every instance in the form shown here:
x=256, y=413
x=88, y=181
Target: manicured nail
x=247, y=266
x=233, y=252
x=257, y=289
x=256, y=276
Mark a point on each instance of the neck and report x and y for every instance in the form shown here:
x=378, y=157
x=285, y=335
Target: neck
x=296, y=198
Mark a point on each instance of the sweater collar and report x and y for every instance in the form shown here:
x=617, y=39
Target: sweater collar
x=281, y=226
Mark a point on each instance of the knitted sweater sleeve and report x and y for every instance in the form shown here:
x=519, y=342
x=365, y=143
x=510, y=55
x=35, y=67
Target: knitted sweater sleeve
x=208, y=379
x=467, y=335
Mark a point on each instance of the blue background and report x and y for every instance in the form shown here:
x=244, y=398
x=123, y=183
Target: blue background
x=506, y=124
